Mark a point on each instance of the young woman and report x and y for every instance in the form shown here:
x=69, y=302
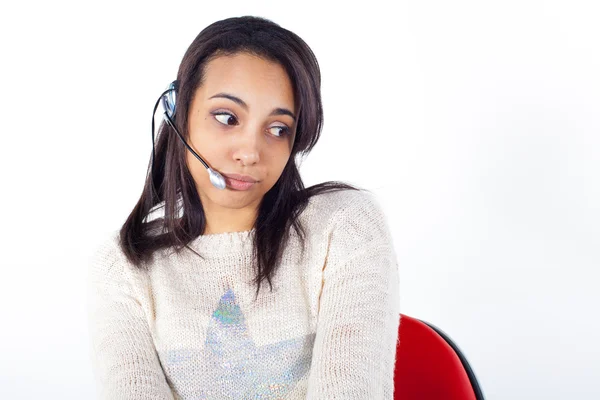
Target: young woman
x=176, y=309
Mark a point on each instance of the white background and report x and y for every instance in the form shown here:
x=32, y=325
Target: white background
x=475, y=122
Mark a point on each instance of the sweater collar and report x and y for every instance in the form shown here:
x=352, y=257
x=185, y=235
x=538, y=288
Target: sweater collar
x=224, y=243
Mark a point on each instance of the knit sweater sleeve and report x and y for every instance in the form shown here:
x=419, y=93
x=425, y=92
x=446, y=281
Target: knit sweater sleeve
x=124, y=359
x=357, y=327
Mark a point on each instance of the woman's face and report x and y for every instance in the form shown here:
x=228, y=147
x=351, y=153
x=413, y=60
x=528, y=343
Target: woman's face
x=252, y=138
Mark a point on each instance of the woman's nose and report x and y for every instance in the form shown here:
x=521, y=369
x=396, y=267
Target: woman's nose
x=248, y=147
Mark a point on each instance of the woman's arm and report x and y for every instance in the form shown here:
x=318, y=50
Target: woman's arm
x=125, y=363
x=357, y=328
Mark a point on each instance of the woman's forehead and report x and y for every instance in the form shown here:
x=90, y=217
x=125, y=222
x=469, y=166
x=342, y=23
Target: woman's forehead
x=252, y=79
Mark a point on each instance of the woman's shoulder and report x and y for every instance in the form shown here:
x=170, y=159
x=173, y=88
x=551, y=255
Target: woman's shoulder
x=350, y=221
x=336, y=202
x=328, y=210
x=107, y=247
x=107, y=259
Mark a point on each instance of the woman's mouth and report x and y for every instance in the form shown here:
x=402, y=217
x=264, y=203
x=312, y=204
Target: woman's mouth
x=238, y=185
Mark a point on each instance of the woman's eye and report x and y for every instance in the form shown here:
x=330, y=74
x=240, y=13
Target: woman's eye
x=224, y=117
x=283, y=130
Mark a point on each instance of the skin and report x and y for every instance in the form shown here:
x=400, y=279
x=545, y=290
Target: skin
x=247, y=142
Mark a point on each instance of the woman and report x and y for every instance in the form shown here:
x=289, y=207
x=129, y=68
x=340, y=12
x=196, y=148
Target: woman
x=176, y=309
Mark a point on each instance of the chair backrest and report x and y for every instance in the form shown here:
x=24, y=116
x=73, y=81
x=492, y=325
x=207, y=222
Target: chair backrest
x=430, y=366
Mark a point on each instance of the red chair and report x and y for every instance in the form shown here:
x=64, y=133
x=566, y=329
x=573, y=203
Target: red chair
x=429, y=366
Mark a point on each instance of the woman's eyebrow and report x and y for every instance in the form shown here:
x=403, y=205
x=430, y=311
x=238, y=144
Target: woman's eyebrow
x=276, y=111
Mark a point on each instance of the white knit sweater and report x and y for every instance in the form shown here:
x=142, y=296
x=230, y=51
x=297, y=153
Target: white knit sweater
x=190, y=329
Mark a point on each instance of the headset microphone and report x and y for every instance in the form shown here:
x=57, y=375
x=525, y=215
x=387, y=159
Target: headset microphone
x=168, y=98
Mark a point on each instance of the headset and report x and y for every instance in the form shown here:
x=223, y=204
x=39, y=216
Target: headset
x=169, y=99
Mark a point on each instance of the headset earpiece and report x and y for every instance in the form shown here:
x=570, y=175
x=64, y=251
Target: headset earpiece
x=170, y=99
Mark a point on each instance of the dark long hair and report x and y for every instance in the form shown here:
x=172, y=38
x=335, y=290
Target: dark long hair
x=170, y=181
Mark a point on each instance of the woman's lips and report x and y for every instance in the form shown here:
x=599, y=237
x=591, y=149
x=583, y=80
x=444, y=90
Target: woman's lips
x=238, y=185
x=243, y=178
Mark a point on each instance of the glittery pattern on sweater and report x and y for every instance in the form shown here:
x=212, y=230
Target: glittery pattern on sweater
x=235, y=368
